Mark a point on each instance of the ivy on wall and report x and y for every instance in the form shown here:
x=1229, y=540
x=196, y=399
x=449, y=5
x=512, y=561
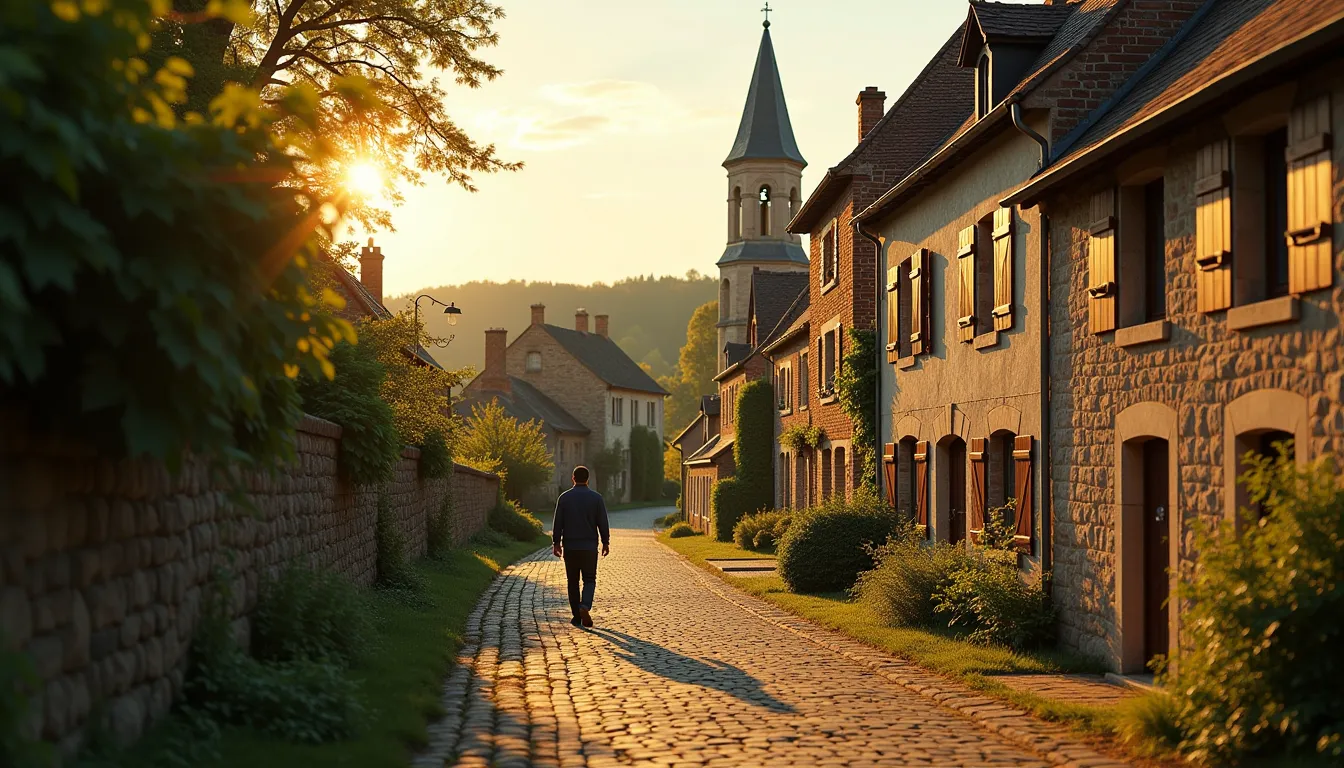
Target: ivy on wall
x=856, y=386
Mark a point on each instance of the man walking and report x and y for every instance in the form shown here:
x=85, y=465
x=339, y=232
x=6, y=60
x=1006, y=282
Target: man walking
x=580, y=519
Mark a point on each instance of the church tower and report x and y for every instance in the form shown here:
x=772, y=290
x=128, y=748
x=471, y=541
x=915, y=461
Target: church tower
x=765, y=172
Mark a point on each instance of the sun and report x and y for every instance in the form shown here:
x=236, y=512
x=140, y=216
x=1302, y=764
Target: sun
x=364, y=179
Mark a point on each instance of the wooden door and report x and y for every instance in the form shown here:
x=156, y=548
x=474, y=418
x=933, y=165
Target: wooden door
x=956, y=498
x=1156, y=548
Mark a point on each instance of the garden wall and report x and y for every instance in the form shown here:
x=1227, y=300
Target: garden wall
x=103, y=563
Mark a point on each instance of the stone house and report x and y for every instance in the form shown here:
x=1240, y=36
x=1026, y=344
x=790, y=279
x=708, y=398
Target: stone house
x=1196, y=305
x=842, y=277
x=584, y=379
x=961, y=396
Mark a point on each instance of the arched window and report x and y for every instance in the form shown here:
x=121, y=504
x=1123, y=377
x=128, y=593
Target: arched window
x=735, y=214
x=794, y=203
x=764, y=197
x=725, y=298
x=982, y=85
x=999, y=481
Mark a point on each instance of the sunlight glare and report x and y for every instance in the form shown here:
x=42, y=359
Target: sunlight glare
x=364, y=179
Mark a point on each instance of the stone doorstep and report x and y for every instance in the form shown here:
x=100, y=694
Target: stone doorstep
x=744, y=566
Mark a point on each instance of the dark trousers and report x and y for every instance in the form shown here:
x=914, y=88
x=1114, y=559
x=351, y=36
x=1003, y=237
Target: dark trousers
x=581, y=562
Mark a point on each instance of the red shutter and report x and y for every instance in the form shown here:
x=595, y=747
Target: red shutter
x=1213, y=228
x=1101, y=288
x=893, y=315
x=976, y=513
x=1022, y=536
x=966, y=284
x=919, y=302
x=1003, y=269
x=1310, y=220
x=889, y=472
x=922, y=483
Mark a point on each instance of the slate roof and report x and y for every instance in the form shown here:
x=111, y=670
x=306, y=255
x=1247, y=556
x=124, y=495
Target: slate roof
x=711, y=450
x=1016, y=20
x=709, y=404
x=763, y=250
x=794, y=317
x=735, y=353
x=765, y=131
x=1219, y=43
x=605, y=358
x=772, y=294
x=524, y=402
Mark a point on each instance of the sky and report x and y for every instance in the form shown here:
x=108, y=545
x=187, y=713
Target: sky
x=622, y=111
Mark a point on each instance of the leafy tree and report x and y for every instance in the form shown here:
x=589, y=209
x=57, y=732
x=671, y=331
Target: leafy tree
x=519, y=449
x=417, y=392
x=646, y=464
x=154, y=285
x=370, y=445
x=672, y=464
x=856, y=385
x=696, y=367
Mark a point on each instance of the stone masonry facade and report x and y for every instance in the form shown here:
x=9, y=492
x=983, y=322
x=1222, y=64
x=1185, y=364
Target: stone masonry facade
x=106, y=563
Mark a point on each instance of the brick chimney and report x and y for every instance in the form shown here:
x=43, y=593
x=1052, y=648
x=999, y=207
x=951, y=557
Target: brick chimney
x=581, y=320
x=538, y=314
x=495, y=377
x=601, y=326
x=371, y=269
x=871, y=103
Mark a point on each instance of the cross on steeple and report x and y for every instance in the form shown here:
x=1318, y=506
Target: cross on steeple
x=766, y=11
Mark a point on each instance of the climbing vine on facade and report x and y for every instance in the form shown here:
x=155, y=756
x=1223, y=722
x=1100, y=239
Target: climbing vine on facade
x=856, y=386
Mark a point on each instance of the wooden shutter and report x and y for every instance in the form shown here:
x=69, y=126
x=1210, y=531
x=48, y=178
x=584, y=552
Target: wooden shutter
x=919, y=302
x=893, y=315
x=1310, y=251
x=922, y=483
x=1003, y=269
x=1022, y=481
x=975, y=515
x=889, y=472
x=1101, y=288
x=1213, y=228
x=966, y=280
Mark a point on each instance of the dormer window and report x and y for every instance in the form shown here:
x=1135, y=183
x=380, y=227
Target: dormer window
x=982, y=104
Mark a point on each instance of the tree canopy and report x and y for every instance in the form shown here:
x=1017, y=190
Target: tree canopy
x=495, y=441
x=696, y=367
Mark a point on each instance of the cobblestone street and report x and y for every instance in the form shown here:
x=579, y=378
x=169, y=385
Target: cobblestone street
x=682, y=670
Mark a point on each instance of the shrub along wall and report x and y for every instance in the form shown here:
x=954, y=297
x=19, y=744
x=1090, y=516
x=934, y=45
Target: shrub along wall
x=105, y=563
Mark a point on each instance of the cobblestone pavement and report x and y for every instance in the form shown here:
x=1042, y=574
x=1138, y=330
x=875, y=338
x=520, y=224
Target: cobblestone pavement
x=684, y=670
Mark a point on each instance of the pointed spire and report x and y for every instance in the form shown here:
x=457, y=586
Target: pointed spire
x=765, y=132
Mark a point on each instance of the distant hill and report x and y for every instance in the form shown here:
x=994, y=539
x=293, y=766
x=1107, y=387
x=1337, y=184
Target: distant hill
x=648, y=314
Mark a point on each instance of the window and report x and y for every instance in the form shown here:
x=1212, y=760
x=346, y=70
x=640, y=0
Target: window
x=1258, y=214
x=802, y=380
x=533, y=362
x=999, y=480
x=1141, y=252
x=982, y=104
x=794, y=203
x=825, y=474
x=1154, y=251
x=905, y=477
x=634, y=413
x=1275, y=215
x=830, y=255
x=784, y=387
x=617, y=410
x=735, y=215
x=841, y=484
x=764, y=196
x=829, y=354
x=725, y=299
x=651, y=412
x=561, y=450
x=984, y=275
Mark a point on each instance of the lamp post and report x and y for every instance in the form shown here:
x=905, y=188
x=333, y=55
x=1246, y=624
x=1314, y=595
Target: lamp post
x=450, y=309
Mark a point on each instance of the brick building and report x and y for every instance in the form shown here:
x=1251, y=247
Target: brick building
x=699, y=440
x=579, y=377
x=1196, y=304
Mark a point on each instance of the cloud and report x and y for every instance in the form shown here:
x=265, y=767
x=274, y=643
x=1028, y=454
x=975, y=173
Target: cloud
x=573, y=114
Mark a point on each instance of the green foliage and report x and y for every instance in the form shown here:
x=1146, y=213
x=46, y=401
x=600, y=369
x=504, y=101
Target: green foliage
x=671, y=518
x=727, y=505
x=856, y=388
x=313, y=615
x=1259, y=672
x=154, y=288
x=607, y=464
x=439, y=527
x=826, y=548
x=671, y=489
x=394, y=567
x=672, y=465
x=899, y=590
x=796, y=437
x=754, y=448
x=762, y=530
x=646, y=464
x=697, y=365
x=508, y=517
x=999, y=528
x=518, y=450
x=370, y=445
x=1147, y=723
x=681, y=531
x=435, y=460
x=987, y=599
x=18, y=746
x=416, y=391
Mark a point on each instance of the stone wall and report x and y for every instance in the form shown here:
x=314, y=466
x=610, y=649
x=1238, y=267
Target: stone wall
x=104, y=563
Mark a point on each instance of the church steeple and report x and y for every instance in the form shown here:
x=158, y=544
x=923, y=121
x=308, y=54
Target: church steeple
x=765, y=132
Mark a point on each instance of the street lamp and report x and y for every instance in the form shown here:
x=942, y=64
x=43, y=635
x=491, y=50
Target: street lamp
x=450, y=309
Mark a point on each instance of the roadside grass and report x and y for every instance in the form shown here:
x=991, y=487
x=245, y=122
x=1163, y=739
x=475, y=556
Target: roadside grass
x=938, y=651
x=401, y=678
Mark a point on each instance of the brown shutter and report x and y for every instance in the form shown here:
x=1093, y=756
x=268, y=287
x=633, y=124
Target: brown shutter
x=1003, y=269
x=966, y=281
x=1309, y=200
x=976, y=512
x=1022, y=481
x=893, y=315
x=1213, y=228
x=922, y=482
x=889, y=472
x=1101, y=287
x=919, y=302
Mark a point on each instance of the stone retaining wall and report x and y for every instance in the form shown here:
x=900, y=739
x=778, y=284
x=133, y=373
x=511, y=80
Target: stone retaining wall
x=103, y=563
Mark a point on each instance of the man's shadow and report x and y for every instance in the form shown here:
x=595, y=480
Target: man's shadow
x=713, y=673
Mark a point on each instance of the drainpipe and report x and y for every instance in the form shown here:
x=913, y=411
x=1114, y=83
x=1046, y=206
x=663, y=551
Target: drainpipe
x=1047, y=494
x=879, y=347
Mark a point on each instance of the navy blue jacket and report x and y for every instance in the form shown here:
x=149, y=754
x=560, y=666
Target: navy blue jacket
x=580, y=516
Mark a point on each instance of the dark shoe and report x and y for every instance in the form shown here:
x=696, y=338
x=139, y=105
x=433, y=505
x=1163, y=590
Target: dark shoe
x=587, y=617
x=576, y=621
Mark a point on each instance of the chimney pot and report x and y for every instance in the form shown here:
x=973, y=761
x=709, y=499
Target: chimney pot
x=581, y=320
x=495, y=377
x=538, y=314
x=872, y=105
x=602, y=327
x=371, y=269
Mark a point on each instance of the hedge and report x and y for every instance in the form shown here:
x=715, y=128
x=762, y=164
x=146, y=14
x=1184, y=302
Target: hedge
x=827, y=547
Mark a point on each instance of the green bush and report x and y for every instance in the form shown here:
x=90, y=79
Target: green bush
x=672, y=490
x=489, y=538
x=671, y=518
x=394, y=567
x=646, y=464
x=19, y=747
x=899, y=590
x=435, y=460
x=313, y=615
x=762, y=530
x=727, y=505
x=508, y=517
x=1260, y=671
x=988, y=600
x=439, y=527
x=1147, y=724
x=754, y=448
x=827, y=547
x=370, y=447
x=681, y=531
